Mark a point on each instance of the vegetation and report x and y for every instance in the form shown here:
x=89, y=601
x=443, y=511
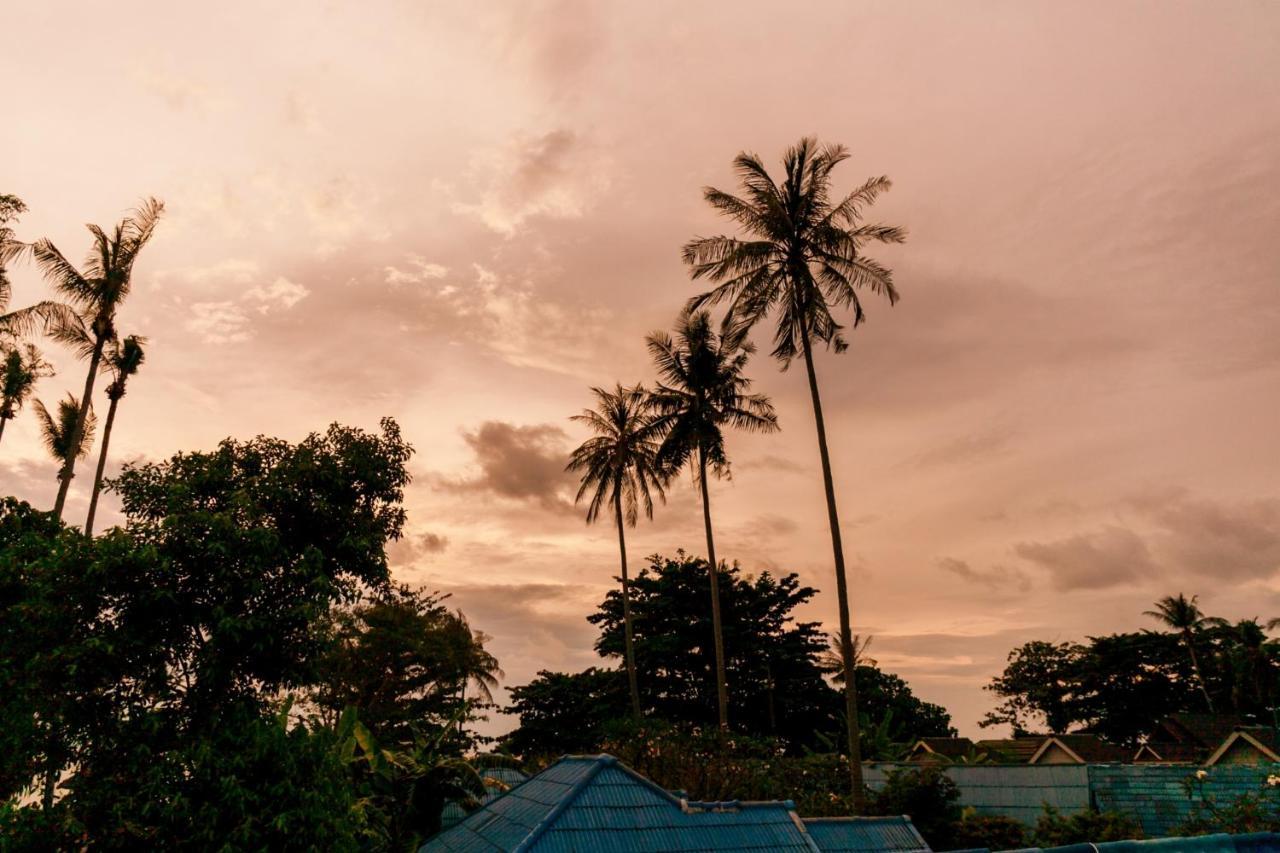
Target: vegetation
x=619, y=468
x=149, y=671
x=94, y=296
x=123, y=359
x=1120, y=686
x=774, y=663
x=1055, y=829
x=1252, y=811
x=22, y=368
x=802, y=259
x=703, y=389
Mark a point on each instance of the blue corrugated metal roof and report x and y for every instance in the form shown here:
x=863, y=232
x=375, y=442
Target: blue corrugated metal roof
x=1255, y=842
x=595, y=803
x=497, y=781
x=864, y=834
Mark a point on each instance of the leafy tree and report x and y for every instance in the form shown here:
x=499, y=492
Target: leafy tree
x=65, y=436
x=123, y=358
x=702, y=390
x=565, y=714
x=1250, y=661
x=397, y=659
x=10, y=208
x=139, y=667
x=95, y=295
x=774, y=663
x=801, y=259
x=1183, y=616
x=619, y=468
x=1036, y=683
x=22, y=367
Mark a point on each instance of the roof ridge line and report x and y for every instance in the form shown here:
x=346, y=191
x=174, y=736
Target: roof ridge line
x=598, y=763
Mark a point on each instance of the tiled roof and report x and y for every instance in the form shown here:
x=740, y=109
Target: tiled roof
x=1170, y=753
x=590, y=803
x=864, y=834
x=1016, y=750
x=1207, y=730
x=497, y=781
x=1091, y=749
x=947, y=747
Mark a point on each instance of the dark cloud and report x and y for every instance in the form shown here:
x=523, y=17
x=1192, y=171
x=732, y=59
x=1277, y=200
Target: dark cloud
x=414, y=546
x=1107, y=557
x=521, y=463
x=1231, y=540
x=997, y=578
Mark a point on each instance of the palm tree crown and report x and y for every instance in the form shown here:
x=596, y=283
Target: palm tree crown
x=22, y=367
x=123, y=358
x=702, y=390
x=59, y=429
x=802, y=255
x=619, y=464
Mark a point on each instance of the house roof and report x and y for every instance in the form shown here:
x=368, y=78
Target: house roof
x=947, y=747
x=497, y=781
x=1086, y=749
x=1015, y=750
x=1206, y=730
x=1169, y=753
x=1262, y=739
x=597, y=803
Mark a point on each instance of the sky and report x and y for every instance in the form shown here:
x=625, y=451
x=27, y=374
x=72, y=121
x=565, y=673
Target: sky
x=465, y=215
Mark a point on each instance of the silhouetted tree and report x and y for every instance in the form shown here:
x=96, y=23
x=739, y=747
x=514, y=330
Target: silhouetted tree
x=22, y=367
x=123, y=359
x=1183, y=615
x=801, y=258
x=63, y=434
x=619, y=468
x=702, y=390
x=95, y=295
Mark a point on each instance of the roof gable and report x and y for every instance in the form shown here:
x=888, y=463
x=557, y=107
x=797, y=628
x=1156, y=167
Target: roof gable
x=571, y=804
x=1261, y=741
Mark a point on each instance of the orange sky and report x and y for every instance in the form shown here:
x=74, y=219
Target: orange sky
x=462, y=215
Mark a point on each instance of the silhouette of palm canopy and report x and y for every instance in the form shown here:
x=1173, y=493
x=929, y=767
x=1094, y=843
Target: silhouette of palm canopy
x=702, y=390
x=59, y=432
x=802, y=253
x=620, y=462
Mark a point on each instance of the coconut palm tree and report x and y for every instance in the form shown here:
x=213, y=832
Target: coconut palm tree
x=123, y=358
x=10, y=207
x=619, y=468
x=702, y=389
x=96, y=294
x=1183, y=615
x=21, y=368
x=63, y=432
x=800, y=258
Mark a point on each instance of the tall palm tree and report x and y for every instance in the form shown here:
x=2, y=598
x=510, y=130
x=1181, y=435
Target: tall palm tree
x=701, y=391
x=1183, y=615
x=21, y=368
x=123, y=358
x=619, y=467
x=10, y=207
x=96, y=294
x=65, y=436
x=801, y=258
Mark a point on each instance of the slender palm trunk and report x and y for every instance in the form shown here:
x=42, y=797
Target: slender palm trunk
x=842, y=592
x=1195, y=667
x=722, y=688
x=626, y=614
x=102, y=464
x=69, y=466
x=3, y=420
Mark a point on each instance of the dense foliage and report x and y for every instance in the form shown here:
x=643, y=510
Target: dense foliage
x=145, y=673
x=1120, y=685
x=774, y=663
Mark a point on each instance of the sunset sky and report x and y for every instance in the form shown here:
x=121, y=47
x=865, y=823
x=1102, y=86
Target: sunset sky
x=464, y=215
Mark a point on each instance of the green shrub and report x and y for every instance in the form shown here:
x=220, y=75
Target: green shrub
x=1056, y=829
x=995, y=832
x=928, y=796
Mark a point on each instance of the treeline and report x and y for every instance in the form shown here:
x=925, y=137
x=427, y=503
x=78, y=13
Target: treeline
x=781, y=702
x=1120, y=686
x=233, y=668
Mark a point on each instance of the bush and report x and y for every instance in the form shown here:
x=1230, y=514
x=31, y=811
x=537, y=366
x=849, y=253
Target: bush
x=928, y=796
x=1055, y=829
x=995, y=832
x=1257, y=811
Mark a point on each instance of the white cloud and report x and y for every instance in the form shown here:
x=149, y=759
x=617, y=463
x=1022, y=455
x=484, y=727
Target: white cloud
x=281, y=293
x=219, y=322
x=420, y=271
